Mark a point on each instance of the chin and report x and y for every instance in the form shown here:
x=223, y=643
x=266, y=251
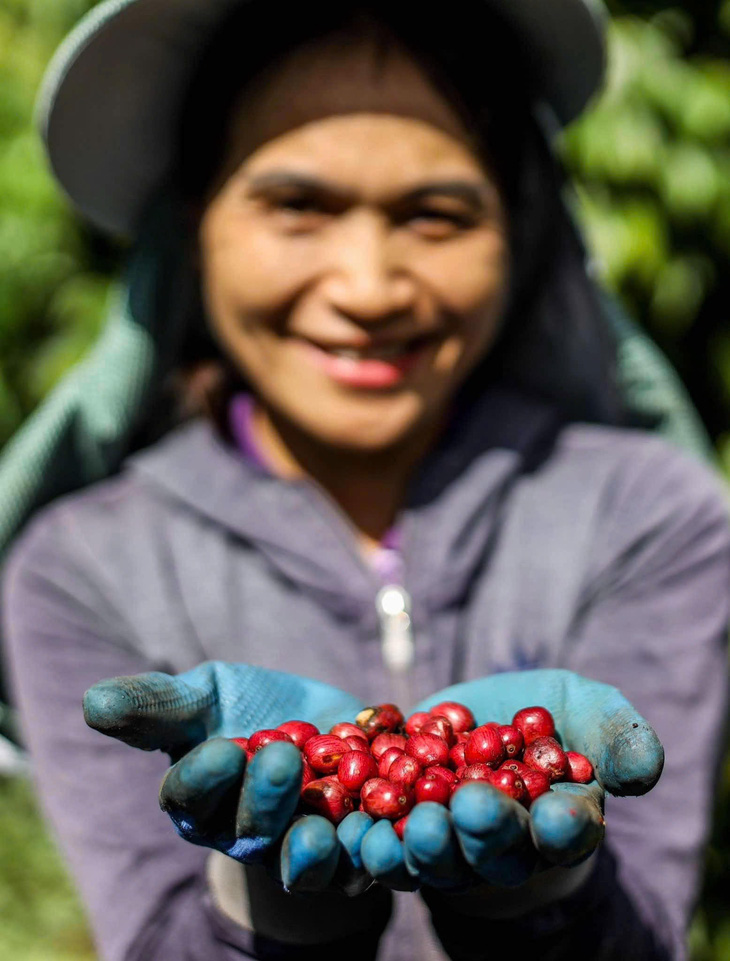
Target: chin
x=369, y=430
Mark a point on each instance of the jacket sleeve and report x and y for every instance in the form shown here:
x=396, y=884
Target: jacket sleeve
x=651, y=619
x=144, y=889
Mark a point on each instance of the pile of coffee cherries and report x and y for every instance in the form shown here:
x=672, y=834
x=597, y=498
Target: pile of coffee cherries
x=384, y=764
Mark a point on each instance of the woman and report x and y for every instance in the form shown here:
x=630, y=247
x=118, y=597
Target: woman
x=410, y=472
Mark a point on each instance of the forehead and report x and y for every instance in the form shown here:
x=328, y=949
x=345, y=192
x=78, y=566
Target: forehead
x=369, y=152
x=324, y=100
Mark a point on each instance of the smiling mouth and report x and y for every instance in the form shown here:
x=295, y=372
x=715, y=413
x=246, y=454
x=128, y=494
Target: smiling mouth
x=390, y=351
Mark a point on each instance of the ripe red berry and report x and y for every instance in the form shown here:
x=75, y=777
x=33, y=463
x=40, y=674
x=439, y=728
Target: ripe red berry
x=299, y=731
x=261, y=738
x=446, y=773
x=458, y=715
x=441, y=727
x=354, y=769
x=580, y=768
x=329, y=798
x=387, y=758
x=357, y=743
x=308, y=773
x=405, y=770
x=432, y=787
x=428, y=749
x=512, y=739
x=509, y=783
x=380, y=744
x=324, y=752
x=546, y=755
x=345, y=729
x=381, y=719
x=517, y=766
x=485, y=746
x=456, y=755
x=534, y=722
x=383, y=799
x=476, y=772
x=399, y=826
x=536, y=783
x=414, y=722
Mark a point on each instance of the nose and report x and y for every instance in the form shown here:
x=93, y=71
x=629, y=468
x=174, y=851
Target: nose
x=364, y=280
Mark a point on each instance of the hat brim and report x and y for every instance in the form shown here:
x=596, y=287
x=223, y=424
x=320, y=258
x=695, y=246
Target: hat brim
x=109, y=105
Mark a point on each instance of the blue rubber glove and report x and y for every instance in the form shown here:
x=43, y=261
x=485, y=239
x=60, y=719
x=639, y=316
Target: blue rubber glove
x=486, y=836
x=212, y=795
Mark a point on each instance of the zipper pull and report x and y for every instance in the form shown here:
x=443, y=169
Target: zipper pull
x=396, y=638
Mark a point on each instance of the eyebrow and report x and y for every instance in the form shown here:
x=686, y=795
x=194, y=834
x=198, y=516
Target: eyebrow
x=470, y=192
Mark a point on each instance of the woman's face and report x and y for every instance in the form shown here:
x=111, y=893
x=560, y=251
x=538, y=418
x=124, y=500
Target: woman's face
x=354, y=251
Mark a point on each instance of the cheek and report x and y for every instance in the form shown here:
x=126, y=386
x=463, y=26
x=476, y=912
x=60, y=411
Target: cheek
x=248, y=274
x=470, y=277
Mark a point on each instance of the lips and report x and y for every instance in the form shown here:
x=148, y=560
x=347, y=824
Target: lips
x=375, y=367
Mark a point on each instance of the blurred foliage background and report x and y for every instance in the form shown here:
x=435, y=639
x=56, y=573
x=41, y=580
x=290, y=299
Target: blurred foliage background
x=651, y=162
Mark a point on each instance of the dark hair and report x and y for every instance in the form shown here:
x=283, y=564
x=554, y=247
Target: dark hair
x=475, y=59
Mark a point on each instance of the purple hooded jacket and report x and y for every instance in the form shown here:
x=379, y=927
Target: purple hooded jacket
x=526, y=542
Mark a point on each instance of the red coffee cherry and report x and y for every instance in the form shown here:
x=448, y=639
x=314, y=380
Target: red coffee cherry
x=485, y=746
x=399, y=827
x=446, y=773
x=415, y=721
x=458, y=715
x=536, y=783
x=517, y=766
x=441, y=727
x=324, y=752
x=382, y=719
x=354, y=769
x=357, y=743
x=432, y=787
x=405, y=771
x=512, y=739
x=456, y=755
x=261, y=738
x=546, y=755
x=509, y=783
x=329, y=798
x=476, y=772
x=380, y=744
x=534, y=722
x=308, y=773
x=428, y=749
x=344, y=729
x=580, y=768
x=299, y=731
x=386, y=759
x=383, y=799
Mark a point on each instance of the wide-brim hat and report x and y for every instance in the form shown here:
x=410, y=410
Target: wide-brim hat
x=109, y=106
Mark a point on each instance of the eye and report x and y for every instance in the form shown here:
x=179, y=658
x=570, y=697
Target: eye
x=298, y=211
x=435, y=223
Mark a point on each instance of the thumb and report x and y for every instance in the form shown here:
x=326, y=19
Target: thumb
x=154, y=711
x=627, y=754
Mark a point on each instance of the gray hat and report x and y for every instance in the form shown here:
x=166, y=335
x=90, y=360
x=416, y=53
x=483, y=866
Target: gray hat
x=109, y=105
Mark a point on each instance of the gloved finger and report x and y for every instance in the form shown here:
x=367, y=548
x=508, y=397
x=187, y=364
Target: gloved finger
x=384, y=858
x=309, y=855
x=351, y=877
x=154, y=711
x=431, y=850
x=488, y=825
x=627, y=755
x=200, y=792
x=270, y=795
x=567, y=823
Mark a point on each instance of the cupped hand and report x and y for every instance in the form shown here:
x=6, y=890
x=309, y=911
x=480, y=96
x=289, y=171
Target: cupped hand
x=487, y=836
x=216, y=798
